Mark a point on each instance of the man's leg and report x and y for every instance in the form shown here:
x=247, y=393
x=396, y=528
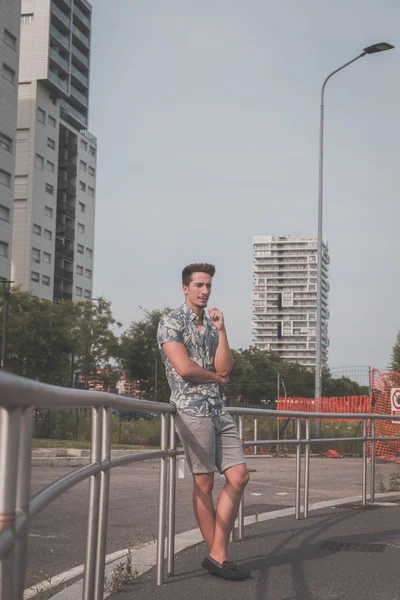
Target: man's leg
x=203, y=506
x=227, y=508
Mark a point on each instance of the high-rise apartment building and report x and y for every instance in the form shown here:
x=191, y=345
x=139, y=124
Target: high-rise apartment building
x=55, y=177
x=285, y=297
x=10, y=22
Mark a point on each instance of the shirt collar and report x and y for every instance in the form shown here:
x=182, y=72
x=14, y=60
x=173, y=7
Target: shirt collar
x=191, y=315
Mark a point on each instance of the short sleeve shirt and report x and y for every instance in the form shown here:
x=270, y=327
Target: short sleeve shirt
x=180, y=325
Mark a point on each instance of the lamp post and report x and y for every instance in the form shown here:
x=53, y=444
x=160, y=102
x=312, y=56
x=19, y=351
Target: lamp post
x=6, y=295
x=375, y=48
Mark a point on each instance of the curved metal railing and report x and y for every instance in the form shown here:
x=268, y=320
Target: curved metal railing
x=17, y=509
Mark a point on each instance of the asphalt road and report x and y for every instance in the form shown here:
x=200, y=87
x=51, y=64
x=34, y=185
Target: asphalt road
x=57, y=535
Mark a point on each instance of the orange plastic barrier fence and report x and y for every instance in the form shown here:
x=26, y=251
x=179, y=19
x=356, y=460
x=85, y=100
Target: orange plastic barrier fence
x=345, y=404
x=382, y=385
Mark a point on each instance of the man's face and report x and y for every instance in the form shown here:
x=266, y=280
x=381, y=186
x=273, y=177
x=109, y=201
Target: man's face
x=199, y=289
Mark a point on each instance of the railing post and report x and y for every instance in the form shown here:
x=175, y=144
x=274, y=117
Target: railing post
x=298, y=467
x=162, y=500
x=307, y=470
x=255, y=434
x=241, y=505
x=9, y=446
x=94, y=502
x=23, y=497
x=373, y=462
x=364, y=464
x=171, y=499
x=104, y=497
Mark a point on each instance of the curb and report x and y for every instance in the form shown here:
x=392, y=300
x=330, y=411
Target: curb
x=144, y=558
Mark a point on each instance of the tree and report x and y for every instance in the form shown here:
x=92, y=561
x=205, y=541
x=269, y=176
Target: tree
x=395, y=359
x=140, y=357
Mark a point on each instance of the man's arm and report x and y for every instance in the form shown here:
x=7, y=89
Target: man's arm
x=186, y=368
x=223, y=361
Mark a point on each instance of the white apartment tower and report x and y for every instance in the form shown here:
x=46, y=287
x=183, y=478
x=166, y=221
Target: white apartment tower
x=10, y=22
x=285, y=297
x=55, y=177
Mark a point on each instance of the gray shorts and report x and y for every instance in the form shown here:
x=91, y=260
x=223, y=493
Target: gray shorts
x=209, y=442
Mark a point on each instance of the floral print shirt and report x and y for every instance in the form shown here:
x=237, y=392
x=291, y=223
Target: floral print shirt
x=180, y=325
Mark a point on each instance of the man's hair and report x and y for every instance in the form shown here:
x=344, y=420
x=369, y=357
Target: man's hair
x=196, y=268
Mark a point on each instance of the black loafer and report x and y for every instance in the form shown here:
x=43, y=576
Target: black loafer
x=226, y=570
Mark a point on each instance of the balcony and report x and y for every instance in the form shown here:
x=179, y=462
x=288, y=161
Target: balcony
x=66, y=208
x=66, y=186
x=62, y=295
x=61, y=62
x=57, y=35
x=69, y=113
x=79, y=76
x=69, y=143
x=61, y=16
x=81, y=97
x=64, y=274
x=65, y=230
x=63, y=250
x=68, y=165
x=80, y=56
x=81, y=16
x=81, y=36
x=60, y=83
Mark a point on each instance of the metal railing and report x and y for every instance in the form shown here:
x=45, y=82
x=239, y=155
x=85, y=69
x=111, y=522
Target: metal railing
x=17, y=509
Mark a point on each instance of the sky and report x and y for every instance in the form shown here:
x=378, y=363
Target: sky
x=207, y=119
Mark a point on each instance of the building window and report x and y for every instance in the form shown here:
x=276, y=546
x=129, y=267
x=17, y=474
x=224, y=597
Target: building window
x=46, y=280
x=89, y=253
x=51, y=121
x=82, y=165
x=5, y=178
x=48, y=211
x=8, y=73
x=80, y=249
x=91, y=191
x=50, y=166
x=4, y=213
x=47, y=234
x=35, y=276
x=46, y=257
x=88, y=273
x=51, y=143
x=6, y=142
x=88, y=294
x=91, y=171
x=41, y=116
x=82, y=207
x=81, y=228
x=82, y=186
x=92, y=150
x=53, y=99
x=36, y=255
x=37, y=229
x=27, y=18
x=83, y=145
x=79, y=270
x=79, y=291
x=3, y=249
x=50, y=189
x=10, y=39
x=39, y=162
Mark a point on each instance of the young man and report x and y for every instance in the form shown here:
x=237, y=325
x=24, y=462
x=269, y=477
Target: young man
x=197, y=358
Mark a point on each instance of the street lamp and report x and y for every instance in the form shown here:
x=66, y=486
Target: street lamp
x=381, y=47
x=6, y=295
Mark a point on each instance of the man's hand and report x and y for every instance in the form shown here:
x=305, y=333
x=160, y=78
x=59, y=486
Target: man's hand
x=217, y=318
x=222, y=379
